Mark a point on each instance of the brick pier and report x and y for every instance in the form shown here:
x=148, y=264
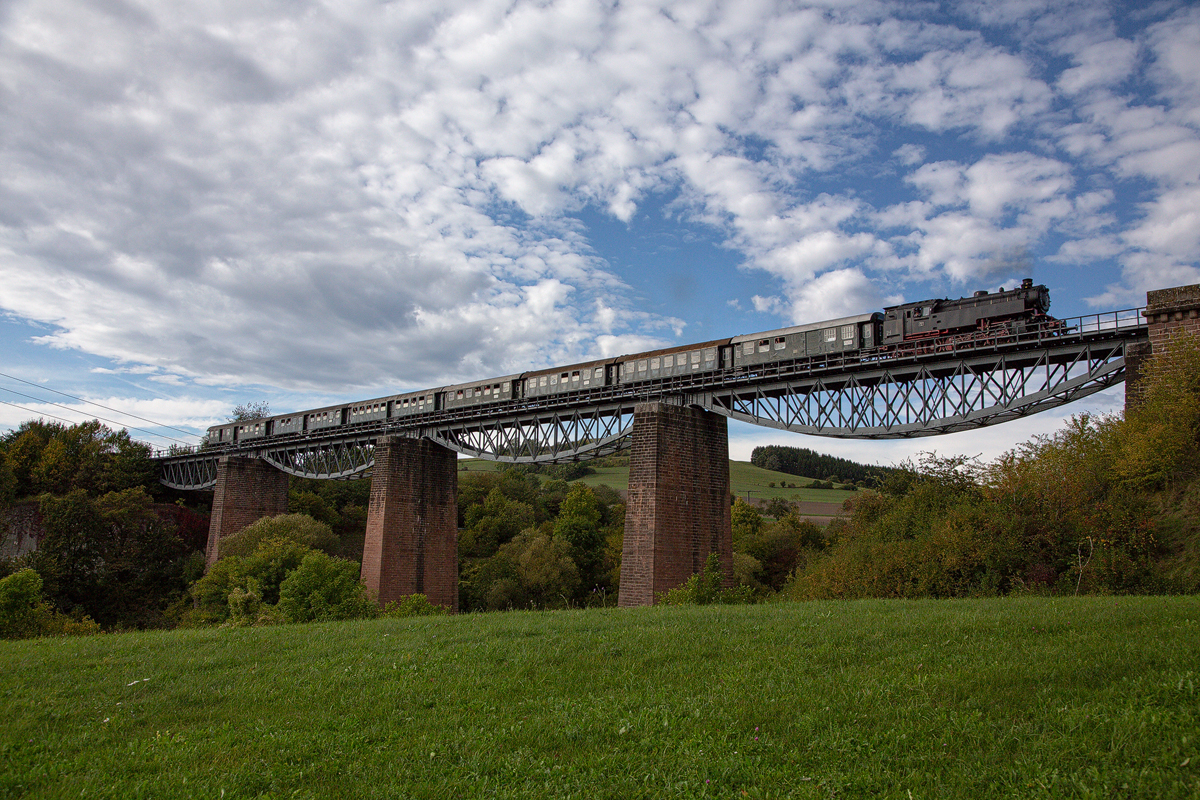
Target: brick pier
x=247, y=490
x=1169, y=312
x=412, y=522
x=677, y=511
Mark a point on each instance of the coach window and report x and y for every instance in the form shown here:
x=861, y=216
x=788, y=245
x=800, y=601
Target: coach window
x=654, y=363
x=710, y=354
x=575, y=376
x=847, y=332
x=830, y=334
x=780, y=343
x=764, y=346
x=599, y=372
x=642, y=365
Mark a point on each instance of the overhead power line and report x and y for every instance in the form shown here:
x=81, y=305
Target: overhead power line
x=68, y=408
x=39, y=413
x=99, y=405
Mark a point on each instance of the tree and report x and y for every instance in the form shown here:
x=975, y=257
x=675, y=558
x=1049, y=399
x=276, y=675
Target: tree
x=492, y=523
x=578, y=525
x=324, y=588
x=299, y=528
x=745, y=519
x=8, y=482
x=24, y=613
x=255, y=409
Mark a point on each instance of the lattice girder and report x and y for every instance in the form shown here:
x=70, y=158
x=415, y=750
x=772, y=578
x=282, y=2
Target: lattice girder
x=912, y=400
x=546, y=437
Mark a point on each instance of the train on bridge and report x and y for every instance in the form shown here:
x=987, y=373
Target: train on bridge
x=897, y=330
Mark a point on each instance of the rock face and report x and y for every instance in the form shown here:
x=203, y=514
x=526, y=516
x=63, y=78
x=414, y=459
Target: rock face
x=20, y=529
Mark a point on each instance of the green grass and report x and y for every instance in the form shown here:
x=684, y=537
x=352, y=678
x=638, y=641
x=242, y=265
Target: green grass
x=744, y=478
x=1072, y=697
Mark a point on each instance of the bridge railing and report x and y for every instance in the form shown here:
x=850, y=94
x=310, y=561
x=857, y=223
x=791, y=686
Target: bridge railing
x=1125, y=319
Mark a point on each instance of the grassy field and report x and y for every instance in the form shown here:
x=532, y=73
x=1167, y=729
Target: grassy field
x=1073, y=697
x=745, y=479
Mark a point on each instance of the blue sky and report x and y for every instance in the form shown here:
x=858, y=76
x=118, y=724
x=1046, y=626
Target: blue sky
x=306, y=203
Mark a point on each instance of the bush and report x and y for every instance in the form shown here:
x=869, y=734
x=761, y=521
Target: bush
x=705, y=588
x=413, y=605
x=25, y=614
x=299, y=528
x=324, y=588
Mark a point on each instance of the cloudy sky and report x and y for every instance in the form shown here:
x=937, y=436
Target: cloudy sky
x=208, y=203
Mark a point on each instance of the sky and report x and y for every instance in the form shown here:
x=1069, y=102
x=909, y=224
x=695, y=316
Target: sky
x=211, y=203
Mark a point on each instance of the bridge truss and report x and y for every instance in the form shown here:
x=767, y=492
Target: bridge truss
x=924, y=389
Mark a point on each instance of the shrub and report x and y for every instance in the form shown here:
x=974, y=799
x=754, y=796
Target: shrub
x=705, y=588
x=299, y=528
x=324, y=588
x=25, y=614
x=413, y=605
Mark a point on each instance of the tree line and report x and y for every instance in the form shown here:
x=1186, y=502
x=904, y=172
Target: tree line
x=809, y=463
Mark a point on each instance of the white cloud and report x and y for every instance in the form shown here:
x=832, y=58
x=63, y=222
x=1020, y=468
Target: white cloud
x=339, y=197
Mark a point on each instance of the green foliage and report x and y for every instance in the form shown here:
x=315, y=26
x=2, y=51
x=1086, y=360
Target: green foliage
x=579, y=525
x=236, y=588
x=299, y=528
x=809, y=463
x=413, y=605
x=1160, y=442
x=313, y=505
x=493, y=522
x=340, y=504
x=776, y=549
x=706, y=588
x=746, y=520
x=8, y=482
x=21, y=605
x=534, y=570
x=324, y=588
x=24, y=613
x=56, y=458
x=284, y=578
x=1104, y=505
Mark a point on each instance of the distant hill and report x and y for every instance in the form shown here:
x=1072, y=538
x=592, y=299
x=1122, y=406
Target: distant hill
x=745, y=480
x=811, y=464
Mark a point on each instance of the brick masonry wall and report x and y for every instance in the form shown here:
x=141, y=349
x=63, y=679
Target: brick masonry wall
x=677, y=509
x=1169, y=312
x=247, y=490
x=412, y=522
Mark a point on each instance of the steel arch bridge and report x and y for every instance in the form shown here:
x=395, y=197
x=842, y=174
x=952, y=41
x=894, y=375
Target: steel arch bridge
x=924, y=389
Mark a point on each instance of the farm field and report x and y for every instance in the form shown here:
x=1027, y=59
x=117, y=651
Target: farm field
x=745, y=479
x=1016, y=697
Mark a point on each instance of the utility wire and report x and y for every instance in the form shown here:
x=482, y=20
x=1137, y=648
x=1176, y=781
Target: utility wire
x=39, y=413
x=91, y=402
x=68, y=408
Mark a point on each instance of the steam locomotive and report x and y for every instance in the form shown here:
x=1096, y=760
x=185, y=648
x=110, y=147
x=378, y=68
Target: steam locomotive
x=908, y=327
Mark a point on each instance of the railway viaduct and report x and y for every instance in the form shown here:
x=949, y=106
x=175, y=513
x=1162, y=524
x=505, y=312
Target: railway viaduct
x=678, y=509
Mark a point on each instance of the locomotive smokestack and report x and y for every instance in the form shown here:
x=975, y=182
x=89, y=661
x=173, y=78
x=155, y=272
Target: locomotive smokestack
x=1027, y=283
